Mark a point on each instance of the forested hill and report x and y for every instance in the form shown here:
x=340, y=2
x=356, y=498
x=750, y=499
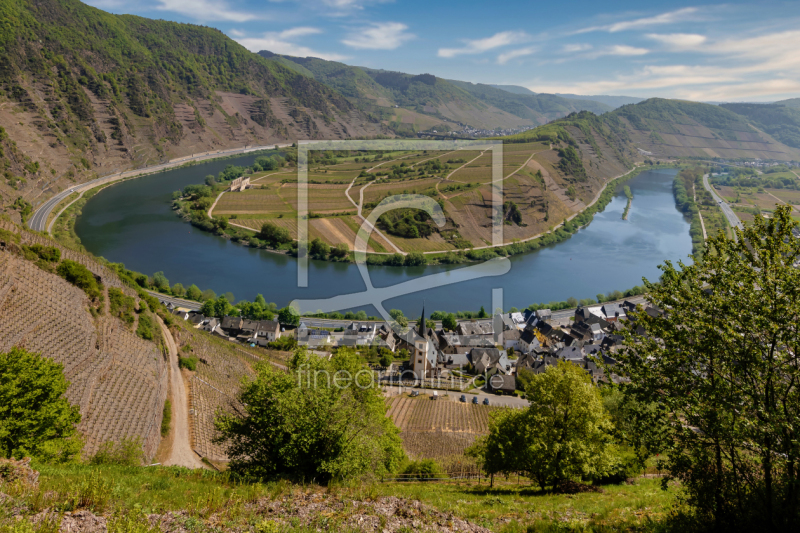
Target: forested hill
x=426, y=101
x=779, y=120
x=679, y=128
x=83, y=92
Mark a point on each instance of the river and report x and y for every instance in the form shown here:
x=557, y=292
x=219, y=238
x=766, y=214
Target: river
x=132, y=222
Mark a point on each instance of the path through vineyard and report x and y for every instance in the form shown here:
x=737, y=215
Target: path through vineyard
x=181, y=453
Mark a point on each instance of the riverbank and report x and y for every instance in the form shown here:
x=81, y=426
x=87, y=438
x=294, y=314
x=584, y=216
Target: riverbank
x=249, y=237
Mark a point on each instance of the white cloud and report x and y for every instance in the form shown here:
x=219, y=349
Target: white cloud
x=380, y=36
x=625, y=50
x=206, y=10
x=281, y=43
x=502, y=59
x=236, y=33
x=679, y=41
x=478, y=46
x=578, y=47
x=671, y=17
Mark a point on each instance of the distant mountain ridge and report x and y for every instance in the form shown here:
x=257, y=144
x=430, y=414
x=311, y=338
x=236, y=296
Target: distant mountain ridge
x=429, y=100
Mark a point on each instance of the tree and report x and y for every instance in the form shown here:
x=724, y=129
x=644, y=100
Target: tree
x=321, y=420
x=449, y=322
x=386, y=358
x=721, y=365
x=288, y=316
x=341, y=251
x=207, y=309
x=398, y=317
x=319, y=249
x=80, y=276
x=160, y=281
x=260, y=301
x=208, y=294
x=194, y=293
x=178, y=290
x=415, y=259
x=274, y=235
x=35, y=418
x=482, y=313
x=222, y=307
x=564, y=434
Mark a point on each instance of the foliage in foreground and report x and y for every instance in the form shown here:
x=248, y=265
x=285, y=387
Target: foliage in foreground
x=721, y=368
x=35, y=418
x=323, y=420
x=563, y=435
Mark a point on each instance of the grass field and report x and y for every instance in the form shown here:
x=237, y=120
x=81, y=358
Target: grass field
x=205, y=500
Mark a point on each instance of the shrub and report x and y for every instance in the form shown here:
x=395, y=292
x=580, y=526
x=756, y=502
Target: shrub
x=166, y=419
x=127, y=452
x=146, y=328
x=81, y=277
x=189, y=363
x=422, y=470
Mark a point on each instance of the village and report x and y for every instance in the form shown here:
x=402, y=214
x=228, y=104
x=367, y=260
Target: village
x=487, y=354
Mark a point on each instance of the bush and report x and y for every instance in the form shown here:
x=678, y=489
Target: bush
x=422, y=470
x=166, y=419
x=121, y=306
x=189, y=363
x=146, y=328
x=81, y=277
x=127, y=452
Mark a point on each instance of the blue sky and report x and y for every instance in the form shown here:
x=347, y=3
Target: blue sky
x=737, y=51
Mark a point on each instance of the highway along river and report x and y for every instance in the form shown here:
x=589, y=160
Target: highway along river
x=132, y=222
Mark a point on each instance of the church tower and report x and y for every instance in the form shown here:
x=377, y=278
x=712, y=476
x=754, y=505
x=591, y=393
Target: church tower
x=421, y=360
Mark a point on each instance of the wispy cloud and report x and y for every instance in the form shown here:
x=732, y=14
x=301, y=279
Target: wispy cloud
x=206, y=10
x=577, y=47
x=679, y=41
x=502, y=59
x=379, y=36
x=281, y=43
x=671, y=17
x=478, y=46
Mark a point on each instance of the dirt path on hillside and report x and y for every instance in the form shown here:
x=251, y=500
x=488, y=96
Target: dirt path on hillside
x=181, y=453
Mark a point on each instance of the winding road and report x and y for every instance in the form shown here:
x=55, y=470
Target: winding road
x=733, y=220
x=38, y=221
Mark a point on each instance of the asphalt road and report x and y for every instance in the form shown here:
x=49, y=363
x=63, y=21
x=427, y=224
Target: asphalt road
x=38, y=221
x=733, y=220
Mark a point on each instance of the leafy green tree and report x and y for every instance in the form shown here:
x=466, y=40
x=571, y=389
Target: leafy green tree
x=319, y=249
x=564, y=434
x=35, y=418
x=260, y=301
x=160, y=281
x=721, y=368
x=415, y=259
x=208, y=294
x=207, y=308
x=322, y=420
x=340, y=252
x=178, y=290
x=222, y=307
x=482, y=313
x=274, y=235
x=288, y=316
x=449, y=322
x=386, y=358
x=399, y=317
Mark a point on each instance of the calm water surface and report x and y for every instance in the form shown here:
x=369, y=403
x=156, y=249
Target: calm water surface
x=133, y=223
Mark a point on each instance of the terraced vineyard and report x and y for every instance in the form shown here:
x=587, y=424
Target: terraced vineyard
x=221, y=367
x=543, y=190
x=118, y=380
x=440, y=430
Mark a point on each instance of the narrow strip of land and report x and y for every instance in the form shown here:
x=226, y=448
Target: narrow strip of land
x=733, y=220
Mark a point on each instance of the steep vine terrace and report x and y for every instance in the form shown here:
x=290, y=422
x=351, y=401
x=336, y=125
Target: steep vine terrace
x=550, y=175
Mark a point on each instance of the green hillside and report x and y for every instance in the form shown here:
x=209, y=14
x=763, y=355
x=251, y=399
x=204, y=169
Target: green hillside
x=458, y=102
x=106, y=92
x=791, y=102
x=536, y=107
x=516, y=89
x=678, y=128
x=781, y=121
